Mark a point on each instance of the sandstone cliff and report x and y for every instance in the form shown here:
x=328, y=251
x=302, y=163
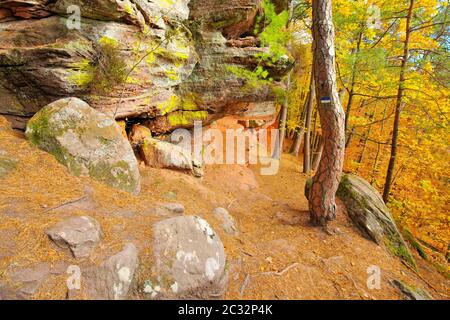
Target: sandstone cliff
x=165, y=61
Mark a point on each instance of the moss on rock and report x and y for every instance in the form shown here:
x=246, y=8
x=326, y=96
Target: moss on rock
x=186, y=118
x=87, y=142
x=368, y=212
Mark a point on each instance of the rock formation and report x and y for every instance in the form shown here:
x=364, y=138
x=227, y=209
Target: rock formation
x=86, y=141
x=189, y=261
x=370, y=215
x=169, y=64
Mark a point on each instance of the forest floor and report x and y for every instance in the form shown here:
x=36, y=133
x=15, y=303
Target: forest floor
x=277, y=254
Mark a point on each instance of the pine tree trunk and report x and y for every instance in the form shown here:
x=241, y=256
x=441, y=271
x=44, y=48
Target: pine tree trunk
x=398, y=106
x=309, y=108
x=322, y=206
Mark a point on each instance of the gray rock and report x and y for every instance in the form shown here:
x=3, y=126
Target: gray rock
x=29, y=280
x=161, y=154
x=174, y=207
x=78, y=234
x=6, y=292
x=88, y=142
x=25, y=282
x=368, y=212
x=411, y=293
x=189, y=261
x=114, y=278
x=227, y=220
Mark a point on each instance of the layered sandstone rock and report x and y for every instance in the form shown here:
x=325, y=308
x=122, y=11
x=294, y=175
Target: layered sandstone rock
x=169, y=63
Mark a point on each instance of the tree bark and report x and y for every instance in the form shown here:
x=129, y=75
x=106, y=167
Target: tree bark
x=322, y=205
x=295, y=148
x=282, y=123
x=309, y=108
x=398, y=106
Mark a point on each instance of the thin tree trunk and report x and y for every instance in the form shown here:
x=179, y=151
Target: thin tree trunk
x=375, y=164
x=309, y=109
x=351, y=93
x=398, y=106
x=295, y=148
x=349, y=137
x=284, y=108
x=318, y=155
x=282, y=124
x=322, y=205
x=366, y=136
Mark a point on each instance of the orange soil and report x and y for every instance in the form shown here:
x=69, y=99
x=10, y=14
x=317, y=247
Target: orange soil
x=319, y=266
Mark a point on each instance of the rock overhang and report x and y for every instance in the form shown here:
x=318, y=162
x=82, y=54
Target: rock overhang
x=176, y=61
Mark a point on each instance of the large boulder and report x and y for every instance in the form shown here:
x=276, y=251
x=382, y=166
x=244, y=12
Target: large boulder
x=189, y=261
x=369, y=213
x=114, y=278
x=161, y=154
x=78, y=234
x=88, y=142
x=409, y=292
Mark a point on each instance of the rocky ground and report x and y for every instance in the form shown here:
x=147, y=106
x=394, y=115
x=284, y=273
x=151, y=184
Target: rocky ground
x=271, y=251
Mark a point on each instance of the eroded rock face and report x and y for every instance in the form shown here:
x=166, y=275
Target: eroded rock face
x=165, y=61
x=88, y=142
x=78, y=234
x=189, y=261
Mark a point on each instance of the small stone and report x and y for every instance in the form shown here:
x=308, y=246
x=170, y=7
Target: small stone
x=174, y=207
x=227, y=220
x=138, y=134
x=78, y=234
